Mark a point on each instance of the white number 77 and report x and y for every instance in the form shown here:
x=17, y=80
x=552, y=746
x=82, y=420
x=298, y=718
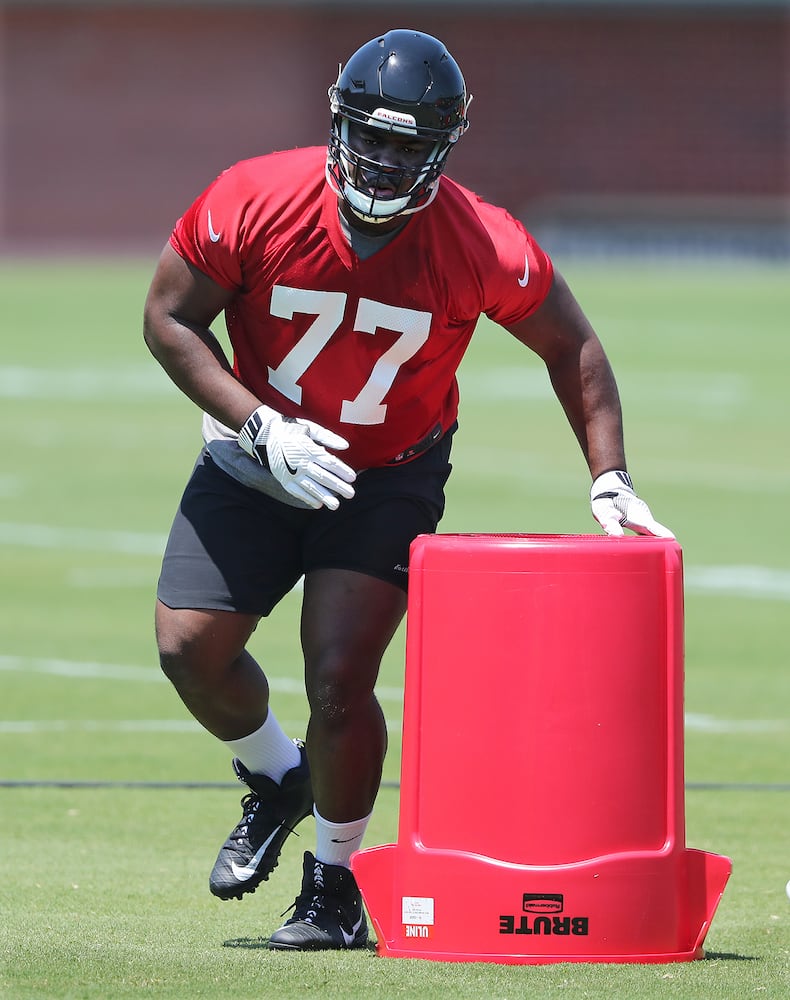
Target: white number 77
x=329, y=309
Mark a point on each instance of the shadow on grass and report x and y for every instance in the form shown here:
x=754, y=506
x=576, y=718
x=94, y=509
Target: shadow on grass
x=726, y=956
x=246, y=942
x=262, y=943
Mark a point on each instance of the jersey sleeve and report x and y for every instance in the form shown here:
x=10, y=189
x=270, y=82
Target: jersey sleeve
x=210, y=234
x=521, y=275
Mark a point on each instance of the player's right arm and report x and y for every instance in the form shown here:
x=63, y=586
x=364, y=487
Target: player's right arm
x=182, y=304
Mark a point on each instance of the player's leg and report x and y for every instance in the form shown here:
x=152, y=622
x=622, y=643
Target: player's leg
x=355, y=597
x=203, y=655
x=231, y=555
x=348, y=620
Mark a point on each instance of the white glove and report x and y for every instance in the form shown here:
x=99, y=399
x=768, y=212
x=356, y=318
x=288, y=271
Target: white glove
x=294, y=451
x=615, y=506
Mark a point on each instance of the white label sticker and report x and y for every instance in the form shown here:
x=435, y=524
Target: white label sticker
x=417, y=909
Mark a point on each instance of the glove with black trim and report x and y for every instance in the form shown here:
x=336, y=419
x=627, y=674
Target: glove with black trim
x=615, y=506
x=294, y=451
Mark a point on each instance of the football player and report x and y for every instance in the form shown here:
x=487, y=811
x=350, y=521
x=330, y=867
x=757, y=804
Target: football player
x=351, y=280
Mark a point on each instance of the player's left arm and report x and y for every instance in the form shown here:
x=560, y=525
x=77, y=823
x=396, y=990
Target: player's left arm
x=582, y=377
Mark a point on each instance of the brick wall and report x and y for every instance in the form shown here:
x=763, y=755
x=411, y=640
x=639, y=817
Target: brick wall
x=115, y=116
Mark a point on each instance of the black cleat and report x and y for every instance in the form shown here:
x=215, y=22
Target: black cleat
x=271, y=811
x=328, y=912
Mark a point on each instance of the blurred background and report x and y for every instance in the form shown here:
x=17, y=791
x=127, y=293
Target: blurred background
x=659, y=125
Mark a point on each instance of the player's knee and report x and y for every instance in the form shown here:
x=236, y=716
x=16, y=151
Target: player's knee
x=338, y=688
x=176, y=661
x=179, y=651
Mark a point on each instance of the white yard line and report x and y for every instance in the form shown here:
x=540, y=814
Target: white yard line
x=47, y=536
x=25, y=727
x=709, y=395
x=710, y=724
x=736, y=580
x=695, y=722
x=743, y=581
x=80, y=669
x=16, y=727
x=84, y=383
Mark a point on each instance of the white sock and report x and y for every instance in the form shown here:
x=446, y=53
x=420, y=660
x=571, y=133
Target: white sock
x=266, y=751
x=336, y=842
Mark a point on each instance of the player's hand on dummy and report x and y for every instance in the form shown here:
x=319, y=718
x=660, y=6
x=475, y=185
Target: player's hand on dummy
x=615, y=506
x=294, y=451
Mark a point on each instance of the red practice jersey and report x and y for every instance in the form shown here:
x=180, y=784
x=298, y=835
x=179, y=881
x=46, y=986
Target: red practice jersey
x=367, y=348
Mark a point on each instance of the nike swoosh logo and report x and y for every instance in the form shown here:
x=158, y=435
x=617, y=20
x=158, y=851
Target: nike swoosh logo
x=213, y=236
x=247, y=871
x=525, y=280
x=349, y=938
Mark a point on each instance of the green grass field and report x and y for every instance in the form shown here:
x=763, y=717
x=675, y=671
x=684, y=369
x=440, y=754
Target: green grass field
x=105, y=849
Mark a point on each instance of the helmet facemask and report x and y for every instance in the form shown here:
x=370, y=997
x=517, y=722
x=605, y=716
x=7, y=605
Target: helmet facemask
x=376, y=191
x=403, y=84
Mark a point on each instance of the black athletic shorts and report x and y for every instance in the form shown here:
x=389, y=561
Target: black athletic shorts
x=235, y=549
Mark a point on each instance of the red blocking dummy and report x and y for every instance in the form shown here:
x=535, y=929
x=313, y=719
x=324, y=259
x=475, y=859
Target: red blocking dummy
x=542, y=799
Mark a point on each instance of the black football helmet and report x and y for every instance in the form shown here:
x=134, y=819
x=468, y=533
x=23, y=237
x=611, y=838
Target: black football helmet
x=404, y=82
